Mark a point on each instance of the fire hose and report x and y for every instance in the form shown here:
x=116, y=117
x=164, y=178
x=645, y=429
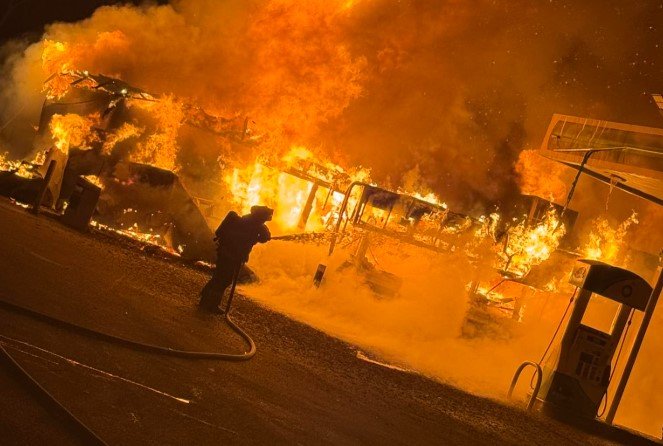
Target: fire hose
x=87, y=433
x=301, y=237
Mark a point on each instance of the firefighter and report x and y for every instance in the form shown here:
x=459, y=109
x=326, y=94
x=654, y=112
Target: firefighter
x=235, y=238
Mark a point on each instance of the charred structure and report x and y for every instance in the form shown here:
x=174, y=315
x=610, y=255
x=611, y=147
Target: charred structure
x=388, y=152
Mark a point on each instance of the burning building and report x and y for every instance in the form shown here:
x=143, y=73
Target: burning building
x=325, y=84
x=89, y=125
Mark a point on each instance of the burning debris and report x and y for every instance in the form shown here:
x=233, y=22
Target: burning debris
x=528, y=245
x=606, y=242
x=149, y=165
x=304, y=191
x=83, y=125
x=125, y=142
x=103, y=139
x=116, y=135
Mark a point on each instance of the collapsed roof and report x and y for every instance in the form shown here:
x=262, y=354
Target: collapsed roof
x=113, y=91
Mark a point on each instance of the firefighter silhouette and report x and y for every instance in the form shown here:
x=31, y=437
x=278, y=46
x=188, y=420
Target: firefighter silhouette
x=235, y=238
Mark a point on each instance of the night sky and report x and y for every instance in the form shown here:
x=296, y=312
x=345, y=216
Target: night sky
x=27, y=18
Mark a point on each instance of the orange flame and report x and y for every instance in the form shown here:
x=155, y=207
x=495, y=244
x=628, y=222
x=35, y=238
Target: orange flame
x=122, y=133
x=531, y=245
x=605, y=242
x=72, y=130
x=287, y=193
x=94, y=179
x=55, y=60
x=540, y=176
x=136, y=233
x=64, y=57
x=160, y=148
x=11, y=165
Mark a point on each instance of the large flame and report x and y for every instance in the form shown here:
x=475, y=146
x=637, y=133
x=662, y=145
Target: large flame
x=277, y=184
x=60, y=57
x=606, y=243
x=540, y=176
x=122, y=133
x=530, y=245
x=382, y=80
x=277, y=102
x=73, y=130
x=160, y=148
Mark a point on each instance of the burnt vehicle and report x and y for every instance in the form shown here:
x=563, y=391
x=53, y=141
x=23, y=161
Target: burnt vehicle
x=369, y=214
x=504, y=294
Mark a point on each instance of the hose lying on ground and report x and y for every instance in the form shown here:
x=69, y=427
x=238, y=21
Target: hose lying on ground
x=88, y=434
x=135, y=345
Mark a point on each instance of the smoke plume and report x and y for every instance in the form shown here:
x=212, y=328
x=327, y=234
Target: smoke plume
x=455, y=88
x=443, y=94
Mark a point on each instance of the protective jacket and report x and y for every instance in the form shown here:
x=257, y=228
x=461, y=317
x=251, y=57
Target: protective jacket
x=237, y=235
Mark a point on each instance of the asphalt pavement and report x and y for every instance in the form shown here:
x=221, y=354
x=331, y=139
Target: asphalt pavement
x=302, y=387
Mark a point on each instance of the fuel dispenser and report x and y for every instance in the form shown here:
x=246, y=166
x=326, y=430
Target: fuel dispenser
x=576, y=376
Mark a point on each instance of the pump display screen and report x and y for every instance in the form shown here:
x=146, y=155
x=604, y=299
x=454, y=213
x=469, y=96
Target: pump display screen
x=590, y=354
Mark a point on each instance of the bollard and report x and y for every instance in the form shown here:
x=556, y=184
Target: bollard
x=319, y=274
x=44, y=187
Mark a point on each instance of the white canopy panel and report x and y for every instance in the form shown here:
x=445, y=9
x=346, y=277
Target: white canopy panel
x=630, y=157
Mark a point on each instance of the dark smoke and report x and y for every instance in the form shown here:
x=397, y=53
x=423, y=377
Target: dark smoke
x=460, y=87
x=456, y=88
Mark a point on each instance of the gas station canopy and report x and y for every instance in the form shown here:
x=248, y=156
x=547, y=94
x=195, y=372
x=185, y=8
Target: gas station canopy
x=629, y=157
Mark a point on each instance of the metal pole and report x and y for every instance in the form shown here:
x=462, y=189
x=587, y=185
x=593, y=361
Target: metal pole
x=572, y=190
x=308, y=207
x=44, y=187
x=341, y=210
x=635, y=349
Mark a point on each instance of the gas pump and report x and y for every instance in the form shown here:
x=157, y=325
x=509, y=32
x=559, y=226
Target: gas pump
x=576, y=376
